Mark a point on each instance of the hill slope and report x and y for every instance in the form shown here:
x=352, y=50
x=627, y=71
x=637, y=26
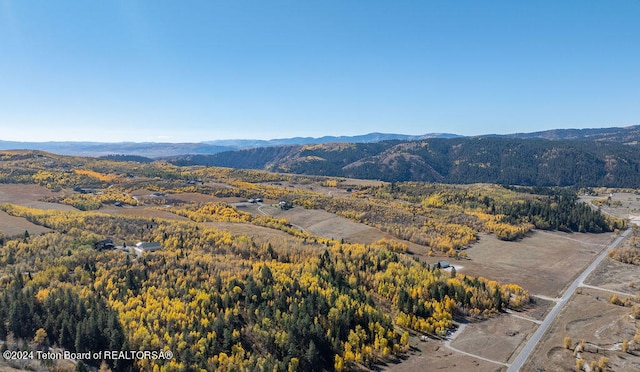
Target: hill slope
x=146, y=149
x=533, y=162
x=157, y=149
x=629, y=135
x=623, y=135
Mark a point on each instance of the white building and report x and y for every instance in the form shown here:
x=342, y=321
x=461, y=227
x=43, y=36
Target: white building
x=143, y=247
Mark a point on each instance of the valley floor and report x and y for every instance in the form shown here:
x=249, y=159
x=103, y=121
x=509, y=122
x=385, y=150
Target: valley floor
x=545, y=263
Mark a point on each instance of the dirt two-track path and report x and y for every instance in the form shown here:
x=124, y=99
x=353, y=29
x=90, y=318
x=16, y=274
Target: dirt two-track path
x=526, y=351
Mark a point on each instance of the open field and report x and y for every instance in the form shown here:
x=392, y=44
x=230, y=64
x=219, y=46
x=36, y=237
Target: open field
x=30, y=196
x=321, y=223
x=543, y=263
x=148, y=197
x=327, y=224
x=12, y=226
x=538, y=310
x=433, y=355
x=616, y=276
x=145, y=211
x=497, y=339
x=587, y=316
x=248, y=229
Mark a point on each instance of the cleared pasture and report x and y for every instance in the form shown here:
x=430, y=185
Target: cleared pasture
x=543, y=263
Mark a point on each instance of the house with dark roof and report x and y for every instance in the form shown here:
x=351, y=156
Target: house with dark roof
x=104, y=244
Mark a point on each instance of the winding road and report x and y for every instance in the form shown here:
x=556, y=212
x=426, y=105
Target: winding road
x=533, y=341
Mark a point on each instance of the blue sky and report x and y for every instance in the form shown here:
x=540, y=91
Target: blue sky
x=190, y=71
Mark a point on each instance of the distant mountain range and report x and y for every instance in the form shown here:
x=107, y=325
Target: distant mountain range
x=146, y=149
x=586, y=158
x=157, y=150
x=365, y=138
x=623, y=135
x=561, y=157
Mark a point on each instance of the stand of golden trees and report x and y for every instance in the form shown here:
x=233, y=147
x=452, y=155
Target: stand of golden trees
x=219, y=300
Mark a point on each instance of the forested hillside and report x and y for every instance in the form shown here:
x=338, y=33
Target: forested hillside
x=278, y=298
x=629, y=134
x=531, y=162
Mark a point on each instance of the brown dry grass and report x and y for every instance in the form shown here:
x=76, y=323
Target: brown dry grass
x=145, y=212
x=12, y=226
x=587, y=316
x=247, y=229
x=538, y=310
x=326, y=224
x=434, y=356
x=617, y=276
x=543, y=263
x=30, y=196
x=497, y=339
x=357, y=182
x=192, y=197
x=321, y=223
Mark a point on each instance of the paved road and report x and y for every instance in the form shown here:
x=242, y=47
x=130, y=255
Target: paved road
x=533, y=341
